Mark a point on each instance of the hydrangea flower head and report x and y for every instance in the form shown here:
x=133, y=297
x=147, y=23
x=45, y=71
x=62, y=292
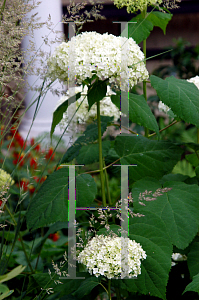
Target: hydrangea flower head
x=135, y=5
x=98, y=54
x=195, y=80
x=163, y=107
x=107, y=108
x=102, y=256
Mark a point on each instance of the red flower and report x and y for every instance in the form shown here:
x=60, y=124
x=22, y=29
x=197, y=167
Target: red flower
x=18, y=158
x=32, y=141
x=41, y=180
x=31, y=188
x=24, y=184
x=33, y=163
x=54, y=236
x=49, y=153
x=36, y=147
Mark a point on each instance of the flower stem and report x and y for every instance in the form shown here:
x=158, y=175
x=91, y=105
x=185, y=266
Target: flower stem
x=100, y=155
x=173, y=123
x=117, y=293
x=144, y=12
x=109, y=289
x=21, y=239
x=197, y=135
x=107, y=185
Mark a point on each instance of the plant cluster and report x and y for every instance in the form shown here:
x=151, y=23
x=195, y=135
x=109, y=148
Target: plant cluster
x=118, y=198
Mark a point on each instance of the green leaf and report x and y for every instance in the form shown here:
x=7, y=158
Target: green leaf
x=50, y=204
x=159, y=19
x=3, y=288
x=5, y=292
x=140, y=30
x=193, y=286
x=193, y=257
x=86, y=287
x=193, y=159
x=12, y=274
x=184, y=167
x=96, y=92
x=153, y=158
x=58, y=113
x=54, y=228
x=90, y=153
x=150, y=232
x=86, y=190
x=89, y=135
x=180, y=95
x=178, y=208
x=139, y=111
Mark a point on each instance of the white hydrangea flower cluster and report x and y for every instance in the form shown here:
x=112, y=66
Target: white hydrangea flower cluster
x=100, y=54
x=177, y=257
x=107, y=108
x=195, y=80
x=163, y=107
x=135, y=5
x=102, y=256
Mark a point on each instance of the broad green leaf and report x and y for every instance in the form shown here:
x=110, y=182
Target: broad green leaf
x=90, y=153
x=58, y=113
x=150, y=232
x=193, y=286
x=197, y=172
x=15, y=272
x=3, y=288
x=86, y=190
x=180, y=95
x=193, y=159
x=50, y=204
x=159, y=19
x=89, y=135
x=140, y=30
x=173, y=177
x=184, y=167
x=178, y=208
x=44, y=281
x=193, y=257
x=96, y=92
x=86, y=287
x=153, y=158
x=5, y=292
x=54, y=228
x=139, y=111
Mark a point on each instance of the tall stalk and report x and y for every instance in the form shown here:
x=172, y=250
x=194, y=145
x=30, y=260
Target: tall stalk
x=144, y=12
x=109, y=289
x=100, y=155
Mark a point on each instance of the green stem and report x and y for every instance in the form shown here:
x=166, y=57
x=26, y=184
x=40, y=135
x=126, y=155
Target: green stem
x=109, y=289
x=144, y=12
x=21, y=239
x=197, y=135
x=117, y=293
x=173, y=123
x=107, y=186
x=100, y=155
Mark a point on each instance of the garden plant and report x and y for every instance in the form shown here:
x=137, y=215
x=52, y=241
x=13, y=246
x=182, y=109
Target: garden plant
x=116, y=215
